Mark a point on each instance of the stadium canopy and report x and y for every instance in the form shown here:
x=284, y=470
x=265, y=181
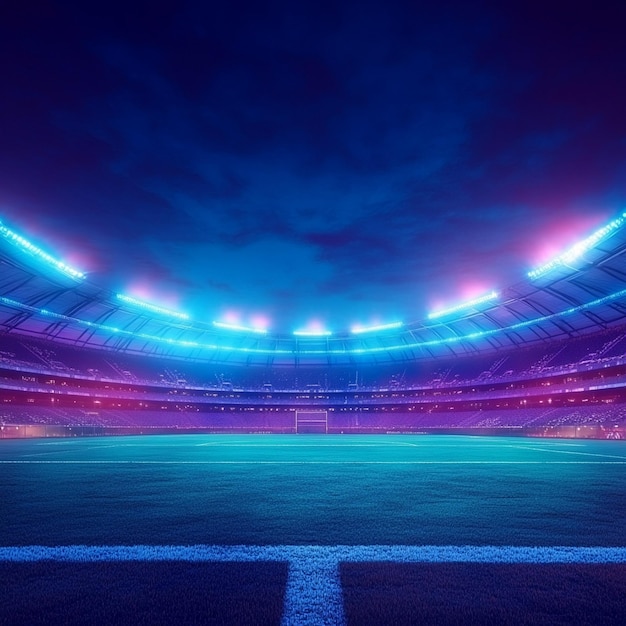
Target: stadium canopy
x=581, y=292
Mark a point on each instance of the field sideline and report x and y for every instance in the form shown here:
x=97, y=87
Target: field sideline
x=316, y=502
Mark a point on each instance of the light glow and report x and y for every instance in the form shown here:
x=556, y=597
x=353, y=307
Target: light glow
x=153, y=308
x=238, y=327
x=28, y=247
x=312, y=333
x=317, y=352
x=493, y=295
x=358, y=330
x=578, y=249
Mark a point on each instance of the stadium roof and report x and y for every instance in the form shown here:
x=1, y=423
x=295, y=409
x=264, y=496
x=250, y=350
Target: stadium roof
x=580, y=292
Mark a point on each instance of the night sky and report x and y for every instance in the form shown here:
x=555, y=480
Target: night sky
x=330, y=162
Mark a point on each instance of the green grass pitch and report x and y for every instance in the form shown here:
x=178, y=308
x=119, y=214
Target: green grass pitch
x=313, y=529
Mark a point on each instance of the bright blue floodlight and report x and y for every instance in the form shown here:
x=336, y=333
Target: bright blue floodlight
x=464, y=306
x=312, y=333
x=153, y=308
x=578, y=249
x=28, y=247
x=358, y=330
x=243, y=329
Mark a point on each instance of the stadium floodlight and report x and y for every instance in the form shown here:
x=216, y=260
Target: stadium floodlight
x=358, y=330
x=312, y=333
x=30, y=248
x=464, y=306
x=363, y=350
x=243, y=329
x=153, y=308
x=578, y=249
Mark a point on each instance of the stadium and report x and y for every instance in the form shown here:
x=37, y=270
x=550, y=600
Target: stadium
x=391, y=474
x=544, y=357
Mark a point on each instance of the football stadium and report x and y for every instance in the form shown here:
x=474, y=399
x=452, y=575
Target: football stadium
x=468, y=467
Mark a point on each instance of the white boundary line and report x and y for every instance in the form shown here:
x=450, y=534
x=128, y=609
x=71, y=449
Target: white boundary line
x=295, y=445
x=295, y=462
x=313, y=596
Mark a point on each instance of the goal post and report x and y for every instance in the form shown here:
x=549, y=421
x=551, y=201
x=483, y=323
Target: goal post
x=312, y=422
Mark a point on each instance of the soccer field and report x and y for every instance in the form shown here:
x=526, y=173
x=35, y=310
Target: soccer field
x=318, y=490
x=314, y=502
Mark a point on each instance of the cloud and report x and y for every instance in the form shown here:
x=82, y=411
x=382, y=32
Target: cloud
x=328, y=157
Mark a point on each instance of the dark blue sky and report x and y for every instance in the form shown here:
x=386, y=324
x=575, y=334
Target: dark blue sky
x=342, y=162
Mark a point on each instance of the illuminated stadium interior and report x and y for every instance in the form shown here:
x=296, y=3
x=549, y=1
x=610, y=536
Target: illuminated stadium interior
x=543, y=355
x=314, y=478
x=313, y=313
x=346, y=485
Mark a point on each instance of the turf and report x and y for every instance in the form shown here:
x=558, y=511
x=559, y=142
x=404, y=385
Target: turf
x=308, y=489
x=300, y=502
x=49, y=592
x=483, y=593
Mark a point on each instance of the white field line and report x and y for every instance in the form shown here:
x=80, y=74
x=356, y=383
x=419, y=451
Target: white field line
x=535, y=441
x=606, y=456
x=303, y=445
x=337, y=553
x=31, y=454
x=274, y=462
x=79, y=441
x=56, y=443
x=313, y=594
x=381, y=445
x=118, y=445
x=65, y=451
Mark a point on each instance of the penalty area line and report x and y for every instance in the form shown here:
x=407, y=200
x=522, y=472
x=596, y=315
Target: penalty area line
x=605, y=456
